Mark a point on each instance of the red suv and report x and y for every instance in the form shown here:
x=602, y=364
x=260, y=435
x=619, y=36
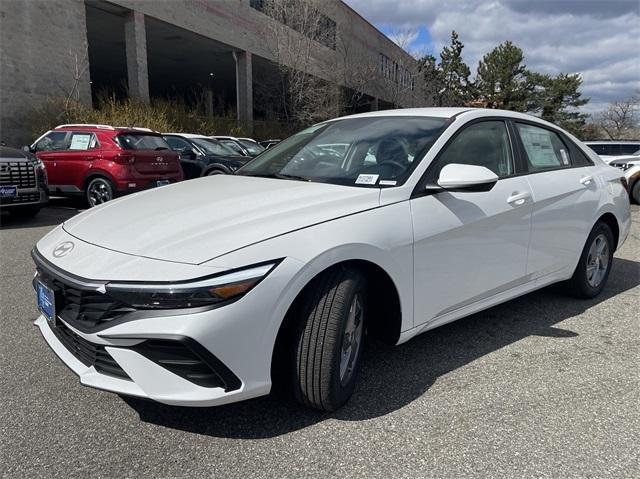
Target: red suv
x=101, y=162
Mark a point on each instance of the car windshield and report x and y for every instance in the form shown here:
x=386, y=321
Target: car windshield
x=252, y=147
x=134, y=141
x=366, y=152
x=213, y=147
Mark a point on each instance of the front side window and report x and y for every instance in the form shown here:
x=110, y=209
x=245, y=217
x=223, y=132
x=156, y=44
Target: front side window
x=232, y=145
x=363, y=152
x=544, y=148
x=253, y=148
x=133, y=141
x=54, y=141
x=481, y=144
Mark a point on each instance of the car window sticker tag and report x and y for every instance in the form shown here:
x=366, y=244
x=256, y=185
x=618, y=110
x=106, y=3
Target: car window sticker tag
x=565, y=157
x=388, y=182
x=367, y=179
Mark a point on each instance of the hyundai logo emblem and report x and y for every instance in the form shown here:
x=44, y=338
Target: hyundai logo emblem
x=160, y=159
x=63, y=249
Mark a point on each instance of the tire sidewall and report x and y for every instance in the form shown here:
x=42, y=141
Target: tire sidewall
x=635, y=192
x=340, y=393
x=102, y=180
x=581, y=272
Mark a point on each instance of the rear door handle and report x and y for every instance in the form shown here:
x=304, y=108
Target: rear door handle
x=586, y=180
x=518, y=199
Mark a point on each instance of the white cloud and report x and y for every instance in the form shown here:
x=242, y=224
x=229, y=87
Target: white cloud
x=598, y=39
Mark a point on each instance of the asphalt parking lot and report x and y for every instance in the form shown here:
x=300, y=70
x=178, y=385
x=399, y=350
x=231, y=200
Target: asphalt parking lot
x=542, y=386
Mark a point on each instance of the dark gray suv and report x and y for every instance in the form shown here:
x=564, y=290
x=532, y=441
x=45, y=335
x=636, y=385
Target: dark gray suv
x=23, y=182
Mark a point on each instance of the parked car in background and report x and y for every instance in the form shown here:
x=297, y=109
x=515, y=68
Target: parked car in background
x=203, y=156
x=269, y=143
x=607, y=149
x=23, y=182
x=219, y=288
x=630, y=165
x=242, y=146
x=100, y=162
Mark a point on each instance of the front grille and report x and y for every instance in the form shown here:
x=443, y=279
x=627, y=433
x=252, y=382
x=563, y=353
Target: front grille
x=19, y=173
x=83, y=308
x=21, y=198
x=88, y=353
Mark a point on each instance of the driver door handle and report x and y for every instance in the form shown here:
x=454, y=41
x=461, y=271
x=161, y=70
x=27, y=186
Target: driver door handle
x=518, y=199
x=586, y=180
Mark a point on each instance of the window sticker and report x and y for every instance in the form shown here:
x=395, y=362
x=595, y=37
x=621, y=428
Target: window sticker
x=537, y=143
x=388, y=182
x=565, y=157
x=367, y=179
x=80, y=142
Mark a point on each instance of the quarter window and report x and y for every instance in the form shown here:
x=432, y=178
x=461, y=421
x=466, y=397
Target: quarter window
x=545, y=150
x=177, y=144
x=482, y=144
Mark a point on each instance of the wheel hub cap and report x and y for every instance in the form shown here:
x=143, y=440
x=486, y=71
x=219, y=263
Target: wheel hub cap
x=597, y=261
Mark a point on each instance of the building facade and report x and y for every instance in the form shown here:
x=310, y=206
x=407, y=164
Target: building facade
x=147, y=48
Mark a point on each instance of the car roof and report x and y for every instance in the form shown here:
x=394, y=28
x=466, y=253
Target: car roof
x=222, y=137
x=612, y=142
x=188, y=135
x=443, y=112
x=96, y=127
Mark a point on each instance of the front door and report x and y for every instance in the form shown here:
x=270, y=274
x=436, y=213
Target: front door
x=469, y=246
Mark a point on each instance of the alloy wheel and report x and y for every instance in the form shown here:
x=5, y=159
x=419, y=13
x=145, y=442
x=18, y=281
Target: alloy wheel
x=352, y=339
x=99, y=192
x=597, y=261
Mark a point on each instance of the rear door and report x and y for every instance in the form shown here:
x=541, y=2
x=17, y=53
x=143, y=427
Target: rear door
x=470, y=246
x=566, y=194
x=153, y=156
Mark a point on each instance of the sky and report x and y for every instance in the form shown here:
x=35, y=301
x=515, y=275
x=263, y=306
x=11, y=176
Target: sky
x=600, y=39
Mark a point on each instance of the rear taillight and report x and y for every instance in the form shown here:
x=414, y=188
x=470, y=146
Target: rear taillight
x=125, y=158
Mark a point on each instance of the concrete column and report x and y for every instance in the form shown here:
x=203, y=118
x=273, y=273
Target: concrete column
x=135, y=37
x=374, y=105
x=244, y=90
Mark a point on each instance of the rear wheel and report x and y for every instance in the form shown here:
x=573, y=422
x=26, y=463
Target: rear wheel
x=594, y=266
x=635, y=192
x=329, y=340
x=99, y=190
x=215, y=171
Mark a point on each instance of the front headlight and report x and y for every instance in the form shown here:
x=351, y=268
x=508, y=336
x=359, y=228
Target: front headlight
x=191, y=294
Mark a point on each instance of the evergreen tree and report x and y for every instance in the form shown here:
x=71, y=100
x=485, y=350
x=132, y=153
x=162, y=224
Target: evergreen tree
x=456, y=88
x=502, y=80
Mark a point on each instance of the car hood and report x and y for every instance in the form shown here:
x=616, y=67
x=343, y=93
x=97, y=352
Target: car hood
x=197, y=220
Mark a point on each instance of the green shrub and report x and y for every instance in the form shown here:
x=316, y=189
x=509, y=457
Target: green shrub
x=159, y=115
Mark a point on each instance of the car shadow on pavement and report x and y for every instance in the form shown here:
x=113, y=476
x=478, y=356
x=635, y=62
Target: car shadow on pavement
x=57, y=211
x=393, y=377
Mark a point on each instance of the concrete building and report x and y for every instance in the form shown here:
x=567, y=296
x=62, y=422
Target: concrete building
x=147, y=48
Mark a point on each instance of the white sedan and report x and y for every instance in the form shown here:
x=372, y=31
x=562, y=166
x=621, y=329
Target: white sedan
x=213, y=290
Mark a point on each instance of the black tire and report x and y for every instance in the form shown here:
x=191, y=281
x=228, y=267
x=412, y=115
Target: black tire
x=582, y=284
x=635, y=192
x=25, y=211
x=99, y=190
x=324, y=315
x=215, y=171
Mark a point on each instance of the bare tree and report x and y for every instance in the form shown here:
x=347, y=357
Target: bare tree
x=621, y=120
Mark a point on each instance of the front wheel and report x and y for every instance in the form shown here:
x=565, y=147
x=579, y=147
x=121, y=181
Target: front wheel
x=329, y=340
x=593, y=269
x=99, y=190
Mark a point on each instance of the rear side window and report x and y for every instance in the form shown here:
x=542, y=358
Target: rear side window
x=82, y=141
x=544, y=148
x=481, y=144
x=177, y=144
x=629, y=149
x=128, y=141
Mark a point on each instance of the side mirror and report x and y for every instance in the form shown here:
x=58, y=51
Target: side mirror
x=458, y=177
